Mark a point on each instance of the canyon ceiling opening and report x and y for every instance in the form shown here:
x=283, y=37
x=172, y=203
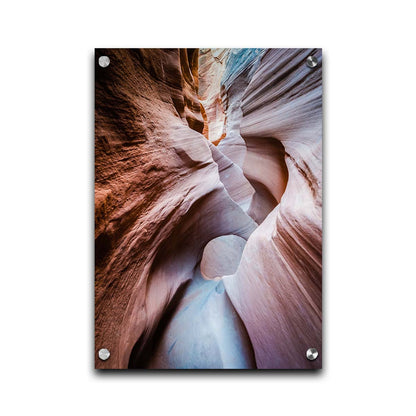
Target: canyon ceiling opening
x=208, y=208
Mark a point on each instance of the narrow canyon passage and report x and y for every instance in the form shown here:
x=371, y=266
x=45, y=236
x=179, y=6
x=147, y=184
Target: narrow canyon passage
x=213, y=255
x=202, y=328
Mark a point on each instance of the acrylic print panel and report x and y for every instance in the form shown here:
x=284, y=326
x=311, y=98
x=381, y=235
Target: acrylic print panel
x=208, y=208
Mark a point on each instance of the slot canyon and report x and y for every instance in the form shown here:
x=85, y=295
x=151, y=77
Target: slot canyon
x=208, y=208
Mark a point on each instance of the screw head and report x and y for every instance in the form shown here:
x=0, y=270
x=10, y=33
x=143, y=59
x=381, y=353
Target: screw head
x=311, y=61
x=103, y=61
x=312, y=354
x=104, y=354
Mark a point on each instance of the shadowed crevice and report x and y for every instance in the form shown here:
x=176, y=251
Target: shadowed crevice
x=142, y=351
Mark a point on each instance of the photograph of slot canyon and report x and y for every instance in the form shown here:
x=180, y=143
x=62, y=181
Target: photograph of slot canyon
x=208, y=208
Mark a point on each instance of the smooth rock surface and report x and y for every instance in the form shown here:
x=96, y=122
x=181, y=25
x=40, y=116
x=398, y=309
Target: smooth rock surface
x=277, y=289
x=202, y=331
x=222, y=256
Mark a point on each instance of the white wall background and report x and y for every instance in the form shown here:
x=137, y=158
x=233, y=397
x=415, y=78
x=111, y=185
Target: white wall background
x=46, y=153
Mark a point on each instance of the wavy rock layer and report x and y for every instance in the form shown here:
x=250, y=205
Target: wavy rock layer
x=277, y=289
x=164, y=193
